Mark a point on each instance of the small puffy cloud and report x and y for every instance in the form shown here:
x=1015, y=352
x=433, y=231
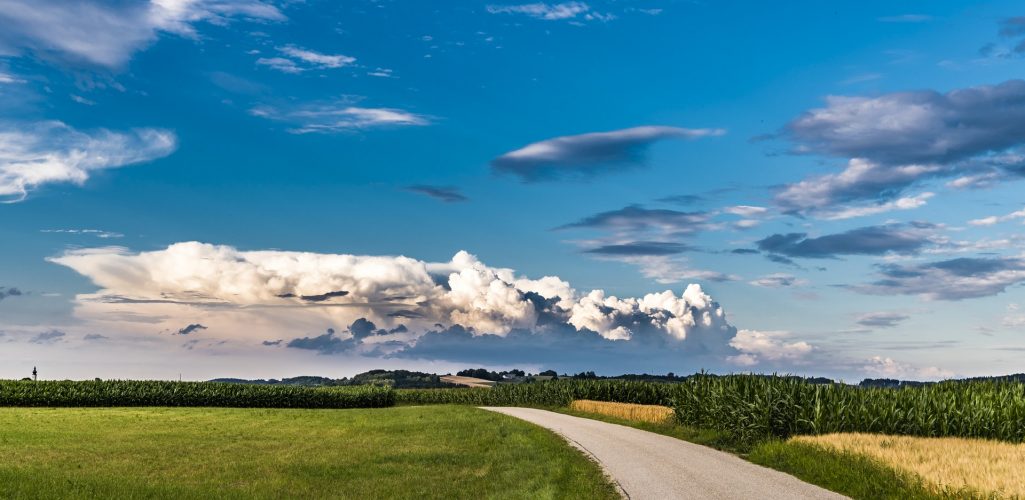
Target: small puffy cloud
x=777, y=280
x=95, y=337
x=9, y=292
x=334, y=117
x=872, y=240
x=746, y=210
x=545, y=11
x=954, y=279
x=888, y=368
x=1014, y=27
x=35, y=154
x=327, y=343
x=588, y=155
x=882, y=319
x=757, y=346
x=108, y=34
x=447, y=194
x=48, y=337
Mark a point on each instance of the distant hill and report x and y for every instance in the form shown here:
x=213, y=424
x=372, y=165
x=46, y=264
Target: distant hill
x=405, y=379
x=399, y=379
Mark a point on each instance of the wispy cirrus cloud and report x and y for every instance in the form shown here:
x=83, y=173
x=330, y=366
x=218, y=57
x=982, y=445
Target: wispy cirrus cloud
x=905, y=18
x=338, y=116
x=777, y=280
x=885, y=319
x=633, y=219
x=99, y=233
x=954, y=279
x=298, y=59
x=588, y=155
x=650, y=239
x=872, y=240
x=108, y=33
x=40, y=153
x=552, y=12
x=996, y=219
x=447, y=194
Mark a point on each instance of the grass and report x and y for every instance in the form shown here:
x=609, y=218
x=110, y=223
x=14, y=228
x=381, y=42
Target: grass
x=407, y=452
x=856, y=476
x=654, y=414
x=945, y=464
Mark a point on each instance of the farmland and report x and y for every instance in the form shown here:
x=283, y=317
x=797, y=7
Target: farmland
x=989, y=467
x=439, y=452
x=157, y=393
x=757, y=417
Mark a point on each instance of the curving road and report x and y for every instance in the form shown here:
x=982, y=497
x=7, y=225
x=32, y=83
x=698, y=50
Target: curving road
x=648, y=465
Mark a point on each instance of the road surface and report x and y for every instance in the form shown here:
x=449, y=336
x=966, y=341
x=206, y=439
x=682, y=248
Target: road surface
x=648, y=465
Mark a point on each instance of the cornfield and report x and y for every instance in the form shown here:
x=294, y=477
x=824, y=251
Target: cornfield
x=154, y=393
x=544, y=394
x=745, y=407
x=753, y=407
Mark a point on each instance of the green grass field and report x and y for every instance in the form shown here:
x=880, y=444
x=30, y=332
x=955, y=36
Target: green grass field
x=406, y=452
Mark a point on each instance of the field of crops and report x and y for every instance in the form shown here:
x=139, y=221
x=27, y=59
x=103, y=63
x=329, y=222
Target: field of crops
x=753, y=407
x=744, y=407
x=749, y=408
x=155, y=393
x=545, y=394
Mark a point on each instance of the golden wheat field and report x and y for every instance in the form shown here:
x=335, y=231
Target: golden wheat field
x=989, y=467
x=638, y=413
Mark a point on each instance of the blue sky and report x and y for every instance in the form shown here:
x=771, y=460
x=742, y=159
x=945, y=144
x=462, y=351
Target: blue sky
x=238, y=188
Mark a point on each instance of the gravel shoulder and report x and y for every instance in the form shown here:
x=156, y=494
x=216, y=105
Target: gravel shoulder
x=648, y=465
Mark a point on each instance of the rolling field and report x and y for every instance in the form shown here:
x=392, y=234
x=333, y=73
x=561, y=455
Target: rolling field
x=410, y=452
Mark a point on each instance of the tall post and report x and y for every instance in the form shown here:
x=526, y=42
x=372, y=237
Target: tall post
x=35, y=374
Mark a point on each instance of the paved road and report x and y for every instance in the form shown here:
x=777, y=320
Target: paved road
x=648, y=465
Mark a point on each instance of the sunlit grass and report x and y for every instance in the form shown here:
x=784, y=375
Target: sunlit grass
x=654, y=414
x=991, y=467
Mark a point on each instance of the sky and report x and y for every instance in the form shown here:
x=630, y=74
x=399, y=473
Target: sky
x=255, y=188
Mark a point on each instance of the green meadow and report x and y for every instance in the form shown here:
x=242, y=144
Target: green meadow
x=404, y=452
